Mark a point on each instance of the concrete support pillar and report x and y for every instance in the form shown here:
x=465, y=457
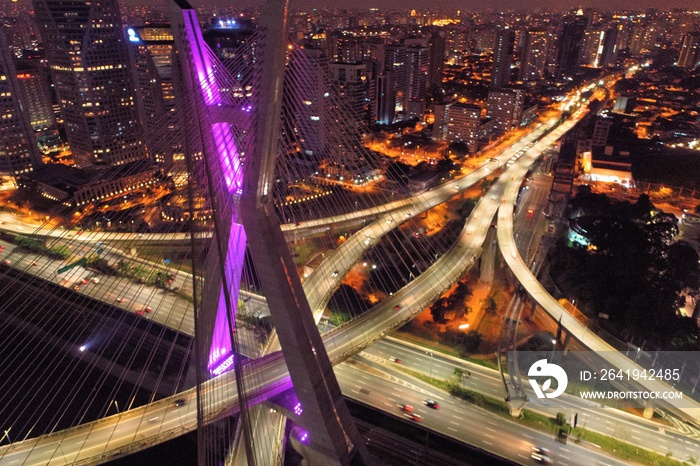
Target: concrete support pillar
x=515, y=408
x=648, y=411
x=567, y=341
x=533, y=307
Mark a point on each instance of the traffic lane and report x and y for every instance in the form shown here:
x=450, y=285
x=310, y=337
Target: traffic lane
x=479, y=379
x=633, y=430
x=463, y=421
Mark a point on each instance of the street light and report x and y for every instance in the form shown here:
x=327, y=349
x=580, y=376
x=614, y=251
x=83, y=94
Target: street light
x=554, y=346
x=431, y=363
x=7, y=434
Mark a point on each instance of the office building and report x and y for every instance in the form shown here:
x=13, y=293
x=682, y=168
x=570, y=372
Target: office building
x=689, y=56
x=148, y=91
x=534, y=52
x=351, y=81
x=33, y=83
x=502, y=58
x=385, y=100
x=86, y=50
x=505, y=107
x=463, y=123
x=395, y=60
x=601, y=130
x=18, y=150
x=417, y=66
x=571, y=42
x=437, y=59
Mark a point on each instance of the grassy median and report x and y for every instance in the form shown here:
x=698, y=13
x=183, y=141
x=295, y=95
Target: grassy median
x=550, y=425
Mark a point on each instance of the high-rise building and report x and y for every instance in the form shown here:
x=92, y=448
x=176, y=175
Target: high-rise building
x=601, y=130
x=352, y=82
x=86, y=51
x=310, y=66
x=18, y=150
x=345, y=49
x=417, y=65
x=440, y=112
x=156, y=40
x=502, y=58
x=505, y=106
x=35, y=94
x=592, y=47
x=533, y=57
x=225, y=36
x=149, y=97
x=571, y=42
x=385, y=100
x=463, y=123
x=610, y=42
x=395, y=60
x=689, y=56
x=437, y=59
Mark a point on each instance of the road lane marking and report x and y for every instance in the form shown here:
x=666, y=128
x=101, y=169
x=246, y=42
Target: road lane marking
x=487, y=443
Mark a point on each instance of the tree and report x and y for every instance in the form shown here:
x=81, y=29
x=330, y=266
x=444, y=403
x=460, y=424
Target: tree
x=471, y=342
x=491, y=306
x=346, y=300
x=445, y=164
x=398, y=171
x=438, y=309
x=459, y=147
x=560, y=419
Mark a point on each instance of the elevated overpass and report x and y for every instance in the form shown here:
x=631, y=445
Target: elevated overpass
x=686, y=407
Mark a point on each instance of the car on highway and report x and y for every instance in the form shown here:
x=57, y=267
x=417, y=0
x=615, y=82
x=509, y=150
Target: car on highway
x=395, y=359
x=179, y=403
x=540, y=455
x=530, y=212
x=120, y=300
x=432, y=404
x=406, y=408
x=397, y=307
x=147, y=310
x=414, y=417
x=335, y=273
x=85, y=281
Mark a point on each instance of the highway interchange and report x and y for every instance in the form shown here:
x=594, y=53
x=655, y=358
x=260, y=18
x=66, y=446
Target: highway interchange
x=164, y=418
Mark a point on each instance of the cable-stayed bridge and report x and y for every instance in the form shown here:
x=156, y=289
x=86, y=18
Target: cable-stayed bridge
x=229, y=120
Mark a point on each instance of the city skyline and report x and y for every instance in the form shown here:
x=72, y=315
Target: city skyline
x=316, y=208
x=443, y=5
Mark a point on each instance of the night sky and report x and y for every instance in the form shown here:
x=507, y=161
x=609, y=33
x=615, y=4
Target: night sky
x=462, y=4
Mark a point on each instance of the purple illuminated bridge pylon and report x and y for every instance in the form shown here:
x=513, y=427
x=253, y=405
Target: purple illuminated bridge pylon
x=229, y=165
x=227, y=132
